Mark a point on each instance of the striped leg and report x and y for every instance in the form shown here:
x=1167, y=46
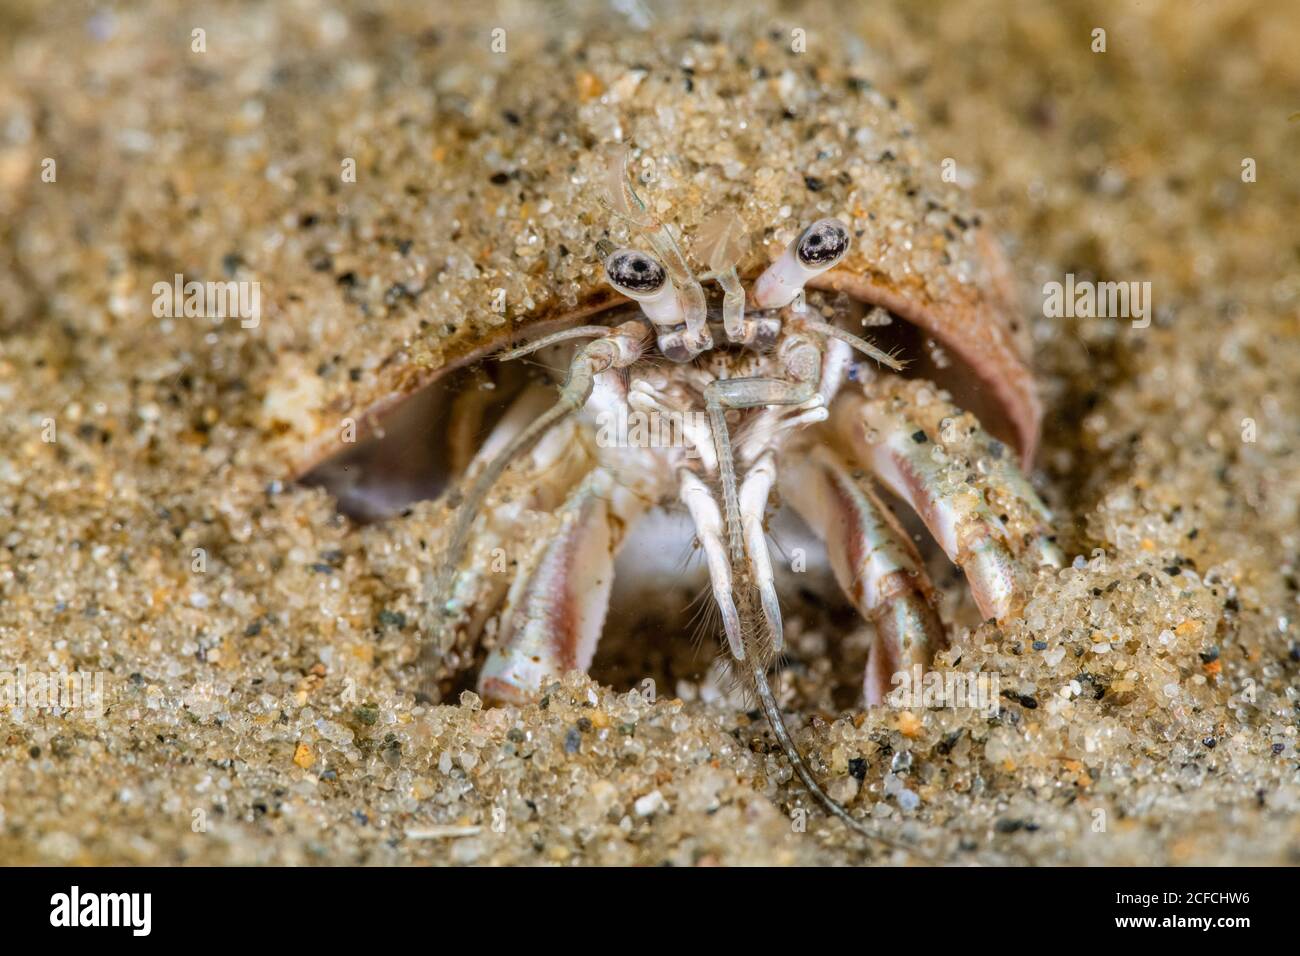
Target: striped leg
x=874, y=562
x=556, y=606
x=960, y=481
x=517, y=509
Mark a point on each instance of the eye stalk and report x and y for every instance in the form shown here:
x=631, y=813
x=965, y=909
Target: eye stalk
x=819, y=248
x=642, y=278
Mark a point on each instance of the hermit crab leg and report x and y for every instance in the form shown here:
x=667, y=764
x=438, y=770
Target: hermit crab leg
x=1003, y=480
x=887, y=434
x=644, y=397
x=621, y=348
x=557, y=608
x=754, y=493
x=549, y=469
x=736, y=580
x=768, y=426
x=707, y=518
x=873, y=560
x=802, y=360
x=734, y=598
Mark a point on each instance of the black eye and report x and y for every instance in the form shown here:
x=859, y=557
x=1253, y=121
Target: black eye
x=635, y=273
x=823, y=243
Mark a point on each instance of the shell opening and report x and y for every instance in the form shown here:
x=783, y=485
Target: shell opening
x=424, y=444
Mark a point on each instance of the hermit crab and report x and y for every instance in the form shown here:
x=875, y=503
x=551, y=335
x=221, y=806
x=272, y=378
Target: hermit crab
x=793, y=306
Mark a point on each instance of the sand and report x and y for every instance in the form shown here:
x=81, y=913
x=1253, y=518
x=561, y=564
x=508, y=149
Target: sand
x=255, y=647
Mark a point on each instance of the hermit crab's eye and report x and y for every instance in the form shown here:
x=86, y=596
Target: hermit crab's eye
x=641, y=277
x=823, y=244
x=635, y=274
x=818, y=248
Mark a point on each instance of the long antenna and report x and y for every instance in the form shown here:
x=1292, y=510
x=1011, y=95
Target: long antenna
x=772, y=711
x=751, y=621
